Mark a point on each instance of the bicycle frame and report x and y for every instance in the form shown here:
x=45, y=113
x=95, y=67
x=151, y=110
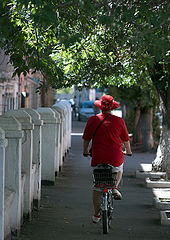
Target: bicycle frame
x=106, y=209
x=104, y=202
x=105, y=181
x=107, y=193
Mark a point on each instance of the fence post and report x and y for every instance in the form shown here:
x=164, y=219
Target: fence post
x=3, y=144
x=13, y=153
x=37, y=155
x=58, y=143
x=62, y=132
x=69, y=119
x=49, y=132
x=59, y=106
x=27, y=153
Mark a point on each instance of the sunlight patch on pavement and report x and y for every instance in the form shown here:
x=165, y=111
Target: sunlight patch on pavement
x=76, y=134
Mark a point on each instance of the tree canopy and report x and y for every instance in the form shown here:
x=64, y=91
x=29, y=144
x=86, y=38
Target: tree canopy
x=87, y=42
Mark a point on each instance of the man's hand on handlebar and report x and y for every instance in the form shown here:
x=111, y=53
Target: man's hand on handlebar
x=86, y=154
x=127, y=154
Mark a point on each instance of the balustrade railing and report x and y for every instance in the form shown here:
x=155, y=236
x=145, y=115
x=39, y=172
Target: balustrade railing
x=33, y=146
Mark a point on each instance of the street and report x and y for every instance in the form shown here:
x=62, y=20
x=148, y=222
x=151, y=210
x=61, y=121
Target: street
x=66, y=208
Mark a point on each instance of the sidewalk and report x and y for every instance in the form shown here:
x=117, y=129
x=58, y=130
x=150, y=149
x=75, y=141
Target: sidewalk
x=66, y=208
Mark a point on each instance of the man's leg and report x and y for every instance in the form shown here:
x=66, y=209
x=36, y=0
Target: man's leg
x=119, y=178
x=116, y=193
x=96, y=202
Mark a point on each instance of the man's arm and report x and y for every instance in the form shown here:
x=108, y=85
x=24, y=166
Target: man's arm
x=127, y=147
x=86, y=147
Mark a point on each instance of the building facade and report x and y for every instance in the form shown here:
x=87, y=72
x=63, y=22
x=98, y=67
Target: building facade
x=20, y=92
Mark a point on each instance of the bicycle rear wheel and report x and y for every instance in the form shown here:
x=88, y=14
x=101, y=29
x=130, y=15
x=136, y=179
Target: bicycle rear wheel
x=105, y=221
x=110, y=212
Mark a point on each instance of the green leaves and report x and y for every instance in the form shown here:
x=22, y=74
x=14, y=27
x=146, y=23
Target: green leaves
x=86, y=42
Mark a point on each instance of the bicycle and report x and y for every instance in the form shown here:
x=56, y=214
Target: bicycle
x=104, y=180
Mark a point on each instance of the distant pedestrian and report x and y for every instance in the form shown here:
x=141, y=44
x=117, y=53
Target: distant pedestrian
x=75, y=106
x=96, y=109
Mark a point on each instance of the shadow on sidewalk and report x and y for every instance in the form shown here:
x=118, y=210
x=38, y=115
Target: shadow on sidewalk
x=66, y=208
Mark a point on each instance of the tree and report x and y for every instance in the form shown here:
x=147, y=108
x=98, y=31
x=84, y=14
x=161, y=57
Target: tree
x=104, y=42
x=32, y=30
x=135, y=34
x=140, y=100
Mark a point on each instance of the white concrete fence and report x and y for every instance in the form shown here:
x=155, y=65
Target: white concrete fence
x=33, y=146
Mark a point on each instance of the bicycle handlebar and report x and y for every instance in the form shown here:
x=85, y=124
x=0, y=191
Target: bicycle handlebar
x=128, y=154
x=88, y=154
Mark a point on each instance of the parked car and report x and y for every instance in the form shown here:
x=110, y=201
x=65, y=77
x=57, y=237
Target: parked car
x=85, y=110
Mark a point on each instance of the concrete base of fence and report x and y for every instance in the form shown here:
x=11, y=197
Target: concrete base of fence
x=161, y=198
x=157, y=183
x=146, y=167
x=161, y=192
x=165, y=217
x=144, y=174
x=162, y=203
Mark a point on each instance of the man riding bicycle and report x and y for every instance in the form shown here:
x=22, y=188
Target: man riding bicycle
x=107, y=144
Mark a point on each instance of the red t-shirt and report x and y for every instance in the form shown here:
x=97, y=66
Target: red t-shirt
x=107, y=147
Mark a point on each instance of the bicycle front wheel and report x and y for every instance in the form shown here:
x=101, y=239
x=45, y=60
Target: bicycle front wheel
x=105, y=221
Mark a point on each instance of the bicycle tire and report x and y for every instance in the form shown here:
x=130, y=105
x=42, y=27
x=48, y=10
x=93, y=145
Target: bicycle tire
x=110, y=213
x=105, y=221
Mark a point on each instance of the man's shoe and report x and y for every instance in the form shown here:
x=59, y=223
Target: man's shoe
x=116, y=194
x=96, y=219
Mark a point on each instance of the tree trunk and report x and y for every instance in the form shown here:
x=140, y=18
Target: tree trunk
x=168, y=123
x=159, y=164
x=162, y=160
x=168, y=157
x=146, y=125
x=42, y=99
x=137, y=134
x=123, y=111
